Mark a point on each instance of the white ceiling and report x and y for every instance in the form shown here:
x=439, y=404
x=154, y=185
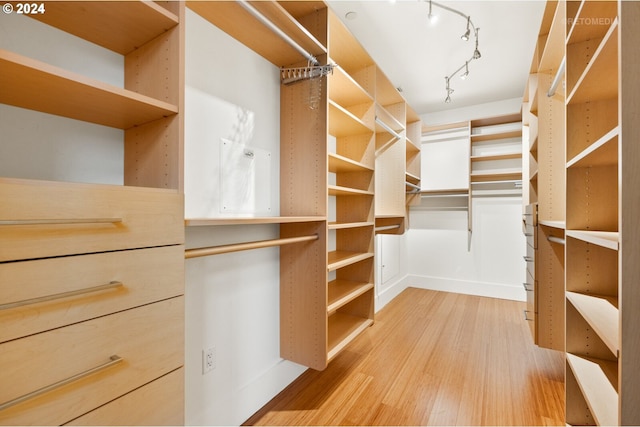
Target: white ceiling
x=417, y=55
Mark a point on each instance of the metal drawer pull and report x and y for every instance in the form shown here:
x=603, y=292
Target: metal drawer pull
x=528, y=258
x=113, y=284
x=528, y=234
x=526, y=317
x=60, y=221
x=526, y=287
x=113, y=360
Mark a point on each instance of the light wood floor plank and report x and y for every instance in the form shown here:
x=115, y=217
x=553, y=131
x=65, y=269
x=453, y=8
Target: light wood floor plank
x=432, y=358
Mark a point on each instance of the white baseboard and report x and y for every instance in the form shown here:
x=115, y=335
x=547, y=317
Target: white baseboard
x=492, y=290
x=390, y=291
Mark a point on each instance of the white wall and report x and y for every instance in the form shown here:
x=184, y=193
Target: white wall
x=232, y=300
x=442, y=255
x=36, y=145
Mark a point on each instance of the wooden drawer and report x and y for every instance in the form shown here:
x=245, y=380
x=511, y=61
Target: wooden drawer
x=149, y=339
x=158, y=403
x=46, y=219
x=145, y=276
x=531, y=310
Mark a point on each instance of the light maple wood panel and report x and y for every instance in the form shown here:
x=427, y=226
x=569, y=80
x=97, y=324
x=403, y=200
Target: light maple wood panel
x=119, y=26
x=426, y=361
x=85, y=218
x=146, y=275
x=152, y=404
x=149, y=339
x=48, y=89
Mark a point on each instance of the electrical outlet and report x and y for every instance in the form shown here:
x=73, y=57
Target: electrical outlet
x=208, y=359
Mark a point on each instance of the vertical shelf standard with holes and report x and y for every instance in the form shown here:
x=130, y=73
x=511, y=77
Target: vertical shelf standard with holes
x=602, y=269
x=112, y=256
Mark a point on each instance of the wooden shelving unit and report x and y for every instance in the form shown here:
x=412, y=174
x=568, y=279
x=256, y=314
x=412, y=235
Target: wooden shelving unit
x=112, y=255
x=601, y=112
x=544, y=113
x=496, y=151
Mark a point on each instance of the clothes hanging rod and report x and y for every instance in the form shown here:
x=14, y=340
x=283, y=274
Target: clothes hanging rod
x=388, y=128
x=386, y=145
x=284, y=36
x=387, y=227
x=415, y=187
x=236, y=247
x=555, y=239
x=557, y=78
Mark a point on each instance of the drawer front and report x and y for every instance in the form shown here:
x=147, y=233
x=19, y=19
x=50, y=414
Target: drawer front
x=159, y=403
x=149, y=339
x=531, y=233
x=530, y=259
x=45, y=219
x=531, y=310
x=84, y=286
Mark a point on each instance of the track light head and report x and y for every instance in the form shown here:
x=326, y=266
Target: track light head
x=432, y=18
x=467, y=33
x=464, y=75
x=476, y=54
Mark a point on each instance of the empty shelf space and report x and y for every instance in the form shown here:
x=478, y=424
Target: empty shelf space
x=344, y=123
x=339, y=259
x=603, y=152
x=595, y=378
x=553, y=224
x=48, y=89
x=338, y=163
x=340, y=292
x=344, y=328
x=119, y=26
x=601, y=312
x=335, y=190
x=345, y=91
x=599, y=79
x=192, y=222
x=607, y=239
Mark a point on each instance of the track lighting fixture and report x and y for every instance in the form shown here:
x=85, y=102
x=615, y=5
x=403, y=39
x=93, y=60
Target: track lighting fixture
x=432, y=18
x=465, y=37
x=467, y=33
x=464, y=75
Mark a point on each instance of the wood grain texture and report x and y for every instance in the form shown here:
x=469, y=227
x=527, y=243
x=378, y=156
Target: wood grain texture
x=431, y=358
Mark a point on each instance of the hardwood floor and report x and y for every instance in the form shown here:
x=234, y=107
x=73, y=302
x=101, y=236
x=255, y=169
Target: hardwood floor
x=432, y=358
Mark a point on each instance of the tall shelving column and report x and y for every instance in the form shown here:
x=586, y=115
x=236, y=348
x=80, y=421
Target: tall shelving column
x=602, y=271
x=351, y=190
x=545, y=218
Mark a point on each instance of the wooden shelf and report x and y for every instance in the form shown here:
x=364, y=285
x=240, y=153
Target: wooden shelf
x=586, y=25
x=343, y=225
x=233, y=19
x=341, y=292
x=339, y=259
x=194, y=222
x=118, y=26
x=48, y=89
x=344, y=328
x=553, y=224
x=596, y=379
x=344, y=123
x=504, y=156
x=335, y=190
x=598, y=81
x=601, y=312
x=339, y=164
x=505, y=175
x=411, y=178
x=603, y=152
x=345, y=91
x=607, y=239
x=496, y=136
